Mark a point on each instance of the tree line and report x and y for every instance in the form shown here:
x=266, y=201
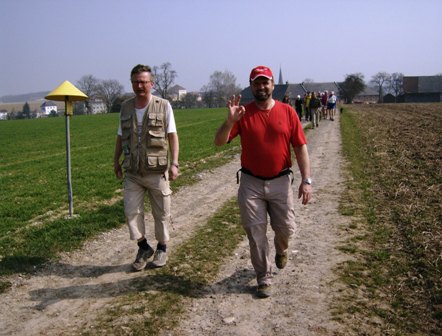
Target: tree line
x=221, y=86
x=384, y=82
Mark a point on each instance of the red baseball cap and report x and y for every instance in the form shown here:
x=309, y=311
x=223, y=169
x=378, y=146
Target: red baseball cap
x=261, y=71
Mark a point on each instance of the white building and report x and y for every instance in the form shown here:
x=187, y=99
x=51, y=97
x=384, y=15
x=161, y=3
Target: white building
x=97, y=106
x=177, y=92
x=47, y=108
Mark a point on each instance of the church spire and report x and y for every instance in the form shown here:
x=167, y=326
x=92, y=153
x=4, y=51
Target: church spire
x=280, y=81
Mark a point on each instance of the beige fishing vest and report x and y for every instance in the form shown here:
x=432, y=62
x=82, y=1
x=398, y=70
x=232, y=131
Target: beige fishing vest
x=148, y=153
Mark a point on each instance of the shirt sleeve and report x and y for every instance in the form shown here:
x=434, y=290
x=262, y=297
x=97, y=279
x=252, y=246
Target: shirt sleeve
x=119, y=131
x=170, y=119
x=233, y=132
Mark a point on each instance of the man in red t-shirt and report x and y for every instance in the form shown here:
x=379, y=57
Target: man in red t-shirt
x=267, y=128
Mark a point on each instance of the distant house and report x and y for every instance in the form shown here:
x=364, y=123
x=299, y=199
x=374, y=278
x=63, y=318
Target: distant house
x=47, y=108
x=3, y=115
x=389, y=98
x=97, y=106
x=176, y=92
x=370, y=95
x=422, y=89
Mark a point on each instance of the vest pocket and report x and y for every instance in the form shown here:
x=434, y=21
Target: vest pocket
x=156, y=161
x=155, y=119
x=125, y=121
x=126, y=162
x=156, y=139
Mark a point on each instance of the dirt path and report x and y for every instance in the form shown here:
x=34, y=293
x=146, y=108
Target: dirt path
x=64, y=297
x=302, y=291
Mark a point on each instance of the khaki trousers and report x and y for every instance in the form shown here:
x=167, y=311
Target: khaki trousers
x=257, y=199
x=156, y=185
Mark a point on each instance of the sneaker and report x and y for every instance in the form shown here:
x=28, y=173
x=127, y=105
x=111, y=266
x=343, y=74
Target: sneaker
x=160, y=258
x=142, y=258
x=264, y=291
x=281, y=260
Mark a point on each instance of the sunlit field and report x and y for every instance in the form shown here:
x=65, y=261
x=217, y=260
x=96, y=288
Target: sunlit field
x=33, y=179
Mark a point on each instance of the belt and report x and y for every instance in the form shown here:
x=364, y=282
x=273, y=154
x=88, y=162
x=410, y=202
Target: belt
x=283, y=172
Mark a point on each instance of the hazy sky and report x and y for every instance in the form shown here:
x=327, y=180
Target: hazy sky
x=44, y=42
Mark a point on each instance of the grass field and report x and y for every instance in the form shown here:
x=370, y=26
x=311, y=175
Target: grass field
x=395, y=192
x=33, y=193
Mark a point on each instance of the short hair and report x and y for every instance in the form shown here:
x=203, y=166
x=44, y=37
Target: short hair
x=139, y=68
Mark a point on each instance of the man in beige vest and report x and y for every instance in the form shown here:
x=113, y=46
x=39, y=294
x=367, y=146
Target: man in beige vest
x=148, y=139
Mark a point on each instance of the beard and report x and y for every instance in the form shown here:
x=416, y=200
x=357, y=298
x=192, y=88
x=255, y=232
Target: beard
x=261, y=95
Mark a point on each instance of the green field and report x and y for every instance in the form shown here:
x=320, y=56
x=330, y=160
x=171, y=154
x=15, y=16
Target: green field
x=33, y=180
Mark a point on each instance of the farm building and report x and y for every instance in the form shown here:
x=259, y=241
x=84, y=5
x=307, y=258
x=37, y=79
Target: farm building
x=422, y=89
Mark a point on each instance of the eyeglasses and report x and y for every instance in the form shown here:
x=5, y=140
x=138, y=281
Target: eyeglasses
x=137, y=82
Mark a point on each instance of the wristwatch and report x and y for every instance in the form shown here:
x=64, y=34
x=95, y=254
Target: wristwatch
x=307, y=180
x=175, y=164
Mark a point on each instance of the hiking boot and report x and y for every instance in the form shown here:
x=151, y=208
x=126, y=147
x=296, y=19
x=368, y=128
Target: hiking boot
x=264, y=291
x=160, y=258
x=142, y=258
x=281, y=260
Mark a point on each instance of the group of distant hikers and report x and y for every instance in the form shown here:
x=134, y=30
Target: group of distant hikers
x=315, y=106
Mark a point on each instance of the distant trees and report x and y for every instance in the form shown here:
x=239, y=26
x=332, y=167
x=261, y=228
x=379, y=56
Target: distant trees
x=190, y=100
x=26, y=111
x=164, y=78
x=221, y=87
x=396, y=84
x=352, y=86
x=385, y=82
x=88, y=84
x=109, y=91
x=379, y=80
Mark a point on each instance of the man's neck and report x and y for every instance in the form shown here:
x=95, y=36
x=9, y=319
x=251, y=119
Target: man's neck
x=142, y=101
x=265, y=105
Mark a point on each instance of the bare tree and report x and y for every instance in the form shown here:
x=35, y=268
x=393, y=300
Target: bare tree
x=110, y=90
x=379, y=80
x=88, y=84
x=221, y=87
x=164, y=78
x=396, y=84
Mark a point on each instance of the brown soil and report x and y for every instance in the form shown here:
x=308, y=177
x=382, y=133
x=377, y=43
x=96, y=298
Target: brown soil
x=65, y=297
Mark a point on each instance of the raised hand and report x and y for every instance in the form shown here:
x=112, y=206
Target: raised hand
x=236, y=111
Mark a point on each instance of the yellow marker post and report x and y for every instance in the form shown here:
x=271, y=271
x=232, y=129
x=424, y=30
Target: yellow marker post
x=68, y=93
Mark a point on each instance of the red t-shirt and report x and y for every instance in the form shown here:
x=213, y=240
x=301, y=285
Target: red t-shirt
x=266, y=137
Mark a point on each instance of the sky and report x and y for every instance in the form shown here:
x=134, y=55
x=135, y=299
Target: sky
x=45, y=42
